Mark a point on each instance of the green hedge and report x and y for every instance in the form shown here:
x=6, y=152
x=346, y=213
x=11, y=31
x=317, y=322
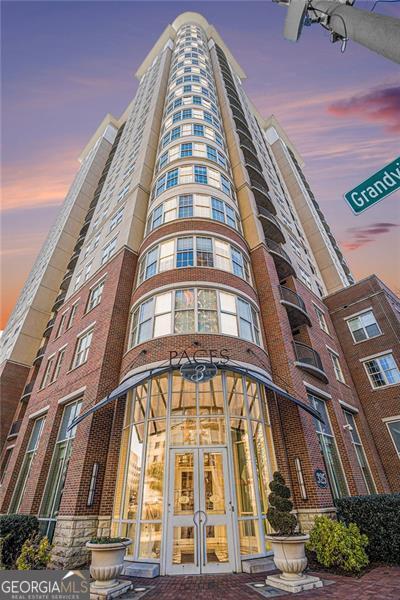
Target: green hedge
x=14, y=531
x=378, y=516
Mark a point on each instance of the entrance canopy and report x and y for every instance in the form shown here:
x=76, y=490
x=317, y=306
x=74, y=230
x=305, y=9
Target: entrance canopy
x=138, y=378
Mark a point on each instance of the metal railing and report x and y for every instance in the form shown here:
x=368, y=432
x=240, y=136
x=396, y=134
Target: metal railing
x=290, y=296
x=307, y=355
x=275, y=247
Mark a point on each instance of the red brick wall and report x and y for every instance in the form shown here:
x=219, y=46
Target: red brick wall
x=377, y=404
x=13, y=378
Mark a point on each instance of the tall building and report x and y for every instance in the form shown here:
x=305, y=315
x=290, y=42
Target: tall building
x=193, y=353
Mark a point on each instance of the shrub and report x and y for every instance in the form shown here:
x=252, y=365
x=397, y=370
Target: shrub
x=35, y=554
x=338, y=545
x=279, y=515
x=14, y=531
x=107, y=540
x=378, y=516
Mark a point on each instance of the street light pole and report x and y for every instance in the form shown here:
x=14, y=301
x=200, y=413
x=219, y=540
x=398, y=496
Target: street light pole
x=379, y=33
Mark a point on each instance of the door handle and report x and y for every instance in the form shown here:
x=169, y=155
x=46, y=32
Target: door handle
x=196, y=524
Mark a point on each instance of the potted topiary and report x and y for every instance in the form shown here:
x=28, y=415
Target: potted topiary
x=287, y=543
x=107, y=560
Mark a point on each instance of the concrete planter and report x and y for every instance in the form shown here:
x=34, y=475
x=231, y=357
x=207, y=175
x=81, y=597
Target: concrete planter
x=290, y=558
x=107, y=563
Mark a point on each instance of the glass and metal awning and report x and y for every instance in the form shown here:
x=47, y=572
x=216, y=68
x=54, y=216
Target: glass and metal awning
x=138, y=378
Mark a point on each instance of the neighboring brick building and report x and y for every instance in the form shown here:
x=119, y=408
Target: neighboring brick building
x=191, y=352
x=366, y=317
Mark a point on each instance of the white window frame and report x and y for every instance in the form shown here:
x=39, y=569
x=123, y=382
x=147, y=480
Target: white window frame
x=337, y=367
x=81, y=336
x=376, y=357
x=387, y=422
x=323, y=325
x=359, y=316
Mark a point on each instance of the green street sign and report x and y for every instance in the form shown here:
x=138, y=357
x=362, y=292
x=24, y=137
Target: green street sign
x=375, y=188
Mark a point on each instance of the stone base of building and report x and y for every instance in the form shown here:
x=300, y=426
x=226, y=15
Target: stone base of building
x=306, y=516
x=109, y=593
x=301, y=584
x=70, y=536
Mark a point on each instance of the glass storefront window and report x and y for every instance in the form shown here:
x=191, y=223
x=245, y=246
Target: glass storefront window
x=170, y=414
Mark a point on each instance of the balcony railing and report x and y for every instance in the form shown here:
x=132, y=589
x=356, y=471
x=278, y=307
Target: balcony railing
x=15, y=427
x=281, y=259
x=309, y=360
x=59, y=301
x=73, y=260
x=39, y=355
x=27, y=390
x=263, y=199
x=270, y=225
x=49, y=327
x=295, y=306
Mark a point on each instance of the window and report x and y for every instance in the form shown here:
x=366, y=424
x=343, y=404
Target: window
x=5, y=463
x=212, y=153
x=184, y=255
x=218, y=210
x=115, y=220
x=321, y=319
x=359, y=450
x=204, y=252
x=175, y=133
x=26, y=466
x=186, y=150
x=225, y=185
x=47, y=373
x=305, y=277
x=172, y=178
x=60, y=360
x=72, y=314
x=185, y=207
x=58, y=470
x=198, y=130
x=82, y=349
x=95, y=296
x=61, y=325
x=382, y=371
x=163, y=160
x=194, y=310
x=336, y=366
x=88, y=268
x=329, y=450
x=200, y=174
x=363, y=326
x=394, y=430
x=108, y=251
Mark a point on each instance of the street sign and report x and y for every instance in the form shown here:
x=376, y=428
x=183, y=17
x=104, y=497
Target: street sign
x=375, y=188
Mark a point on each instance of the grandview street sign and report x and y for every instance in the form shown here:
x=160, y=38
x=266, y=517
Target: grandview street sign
x=375, y=188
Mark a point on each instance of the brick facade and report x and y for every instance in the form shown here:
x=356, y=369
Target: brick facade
x=378, y=405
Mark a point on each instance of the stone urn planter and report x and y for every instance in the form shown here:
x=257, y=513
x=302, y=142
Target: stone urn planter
x=287, y=544
x=107, y=562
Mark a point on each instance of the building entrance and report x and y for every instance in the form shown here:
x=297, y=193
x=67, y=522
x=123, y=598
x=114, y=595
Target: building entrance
x=199, y=531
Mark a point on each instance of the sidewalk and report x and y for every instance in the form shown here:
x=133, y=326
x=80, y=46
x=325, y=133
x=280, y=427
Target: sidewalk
x=383, y=583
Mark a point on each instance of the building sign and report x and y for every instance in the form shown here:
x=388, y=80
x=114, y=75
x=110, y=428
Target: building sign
x=321, y=478
x=201, y=365
x=198, y=373
x=375, y=188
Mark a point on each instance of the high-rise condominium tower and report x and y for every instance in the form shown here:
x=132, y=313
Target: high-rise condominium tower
x=190, y=352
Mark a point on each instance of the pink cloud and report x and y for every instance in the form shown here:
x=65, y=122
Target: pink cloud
x=360, y=236
x=381, y=105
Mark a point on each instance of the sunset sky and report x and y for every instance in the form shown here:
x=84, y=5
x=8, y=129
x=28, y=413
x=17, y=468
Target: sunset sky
x=66, y=64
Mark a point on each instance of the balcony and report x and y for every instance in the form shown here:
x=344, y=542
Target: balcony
x=66, y=281
x=309, y=360
x=270, y=226
x=237, y=111
x=72, y=261
x=242, y=123
x=84, y=229
x=248, y=146
x=39, y=356
x=295, y=307
x=89, y=215
x=59, y=301
x=49, y=327
x=262, y=197
x=282, y=261
x=27, y=391
x=15, y=427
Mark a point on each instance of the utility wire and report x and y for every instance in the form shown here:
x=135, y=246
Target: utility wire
x=378, y=1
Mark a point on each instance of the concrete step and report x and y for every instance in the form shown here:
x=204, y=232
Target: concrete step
x=259, y=565
x=140, y=569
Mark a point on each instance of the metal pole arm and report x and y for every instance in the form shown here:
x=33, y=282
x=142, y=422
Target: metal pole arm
x=374, y=31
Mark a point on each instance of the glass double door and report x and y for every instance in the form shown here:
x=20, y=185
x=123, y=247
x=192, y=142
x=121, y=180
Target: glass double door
x=199, y=512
